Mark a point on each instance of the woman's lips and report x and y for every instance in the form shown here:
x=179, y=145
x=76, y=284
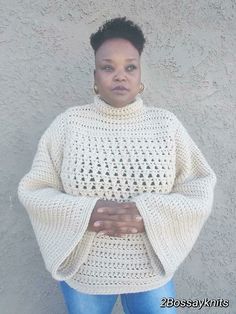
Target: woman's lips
x=120, y=89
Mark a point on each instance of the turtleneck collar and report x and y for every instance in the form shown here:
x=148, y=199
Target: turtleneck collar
x=130, y=110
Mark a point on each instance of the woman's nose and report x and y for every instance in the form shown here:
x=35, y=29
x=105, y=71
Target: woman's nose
x=120, y=76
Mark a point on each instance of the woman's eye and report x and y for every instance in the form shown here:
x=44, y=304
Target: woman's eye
x=132, y=66
x=106, y=67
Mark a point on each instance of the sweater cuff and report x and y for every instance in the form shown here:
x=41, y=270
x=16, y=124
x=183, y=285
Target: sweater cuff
x=74, y=246
x=171, y=232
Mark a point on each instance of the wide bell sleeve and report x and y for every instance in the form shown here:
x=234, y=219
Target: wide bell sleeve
x=59, y=220
x=174, y=220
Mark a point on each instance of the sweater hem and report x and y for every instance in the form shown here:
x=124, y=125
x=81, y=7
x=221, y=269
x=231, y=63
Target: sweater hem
x=114, y=289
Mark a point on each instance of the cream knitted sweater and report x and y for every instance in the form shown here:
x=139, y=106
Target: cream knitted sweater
x=136, y=153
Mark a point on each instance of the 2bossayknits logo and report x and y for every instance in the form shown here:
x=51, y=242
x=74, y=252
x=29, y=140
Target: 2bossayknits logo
x=171, y=302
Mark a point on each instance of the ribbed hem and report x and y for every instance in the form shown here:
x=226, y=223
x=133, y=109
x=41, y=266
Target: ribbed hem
x=117, y=289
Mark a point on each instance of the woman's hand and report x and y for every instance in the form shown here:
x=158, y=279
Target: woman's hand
x=116, y=219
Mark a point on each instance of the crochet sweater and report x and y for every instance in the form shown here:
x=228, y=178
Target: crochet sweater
x=136, y=153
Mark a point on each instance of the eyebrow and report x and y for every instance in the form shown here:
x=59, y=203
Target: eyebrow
x=110, y=60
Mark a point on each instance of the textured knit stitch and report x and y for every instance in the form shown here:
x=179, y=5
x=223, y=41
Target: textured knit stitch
x=136, y=153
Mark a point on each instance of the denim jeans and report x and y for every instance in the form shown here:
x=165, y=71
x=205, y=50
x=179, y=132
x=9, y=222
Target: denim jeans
x=147, y=302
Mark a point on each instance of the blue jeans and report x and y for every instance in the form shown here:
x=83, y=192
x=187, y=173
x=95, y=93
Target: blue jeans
x=147, y=302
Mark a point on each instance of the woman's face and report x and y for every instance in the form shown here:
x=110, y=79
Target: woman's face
x=122, y=69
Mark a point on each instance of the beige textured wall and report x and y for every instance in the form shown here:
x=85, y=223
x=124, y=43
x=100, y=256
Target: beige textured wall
x=46, y=66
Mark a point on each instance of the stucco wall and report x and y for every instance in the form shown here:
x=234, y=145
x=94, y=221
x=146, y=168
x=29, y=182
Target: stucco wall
x=46, y=66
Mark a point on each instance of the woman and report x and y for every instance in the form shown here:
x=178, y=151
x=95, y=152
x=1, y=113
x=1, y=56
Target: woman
x=118, y=192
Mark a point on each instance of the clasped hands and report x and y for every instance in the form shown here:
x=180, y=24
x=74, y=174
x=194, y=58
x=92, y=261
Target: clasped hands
x=116, y=219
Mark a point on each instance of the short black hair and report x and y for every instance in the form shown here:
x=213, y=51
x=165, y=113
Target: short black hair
x=118, y=27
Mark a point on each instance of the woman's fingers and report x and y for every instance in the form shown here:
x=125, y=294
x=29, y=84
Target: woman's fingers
x=112, y=210
x=108, y=232
x=122, y=218
x=109, y=224
x=121, y=209
x=128, y=230
x=118, y=227
x=118, y=221
x=118, y=232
